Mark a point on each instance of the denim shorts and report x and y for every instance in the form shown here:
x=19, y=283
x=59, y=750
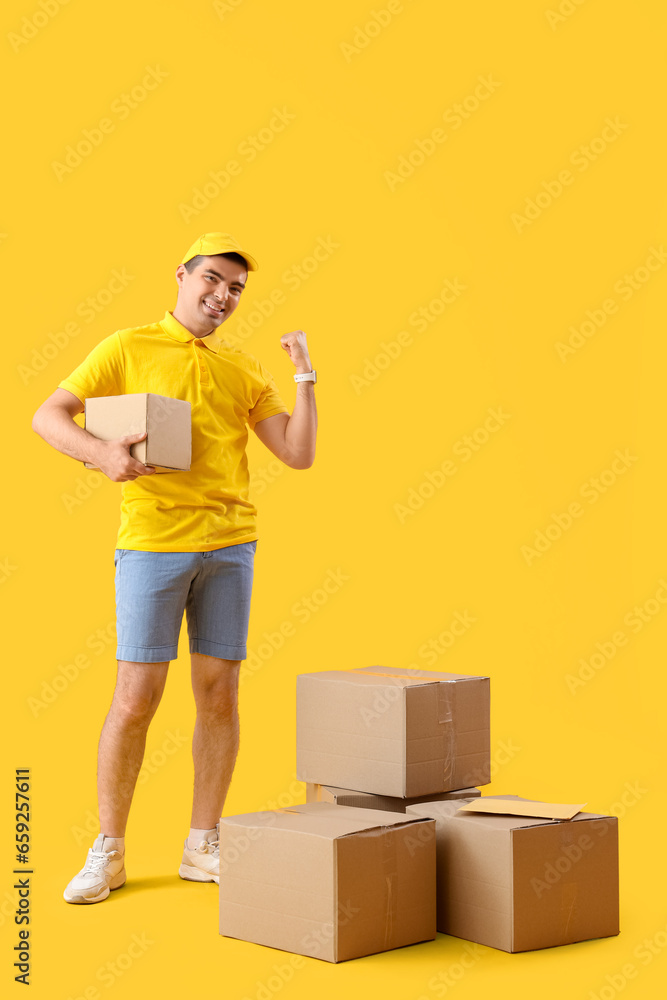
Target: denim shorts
x=154, y=588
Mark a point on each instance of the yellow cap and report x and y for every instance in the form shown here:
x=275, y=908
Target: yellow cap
x=211, y=244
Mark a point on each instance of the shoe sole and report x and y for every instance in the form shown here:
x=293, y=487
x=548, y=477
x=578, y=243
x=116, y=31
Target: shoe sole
x=114, y=884
x=191, y=874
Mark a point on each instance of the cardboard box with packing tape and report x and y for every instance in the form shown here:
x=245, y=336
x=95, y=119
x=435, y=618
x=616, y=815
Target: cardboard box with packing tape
x=167, y=421
x=402, y=733
x=328, y=882
x=518, y=875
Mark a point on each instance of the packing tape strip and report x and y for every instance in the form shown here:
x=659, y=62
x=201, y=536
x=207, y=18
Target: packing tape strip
x=569, y=900
x=390, y=872
x=446, y=695
x=390, y=904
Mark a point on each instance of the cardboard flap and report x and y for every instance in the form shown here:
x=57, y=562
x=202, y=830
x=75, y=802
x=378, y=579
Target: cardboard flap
x=522, y=807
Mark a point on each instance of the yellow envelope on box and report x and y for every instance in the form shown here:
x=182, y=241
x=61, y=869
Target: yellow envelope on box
x=522, y=807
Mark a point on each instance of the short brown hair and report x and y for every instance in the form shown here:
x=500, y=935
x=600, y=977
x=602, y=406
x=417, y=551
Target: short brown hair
x=195, y=261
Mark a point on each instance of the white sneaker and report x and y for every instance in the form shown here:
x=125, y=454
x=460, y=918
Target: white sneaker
x=203, y=863
x=104, y=870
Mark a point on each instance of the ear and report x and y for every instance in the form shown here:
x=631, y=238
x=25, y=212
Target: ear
x=180, y=274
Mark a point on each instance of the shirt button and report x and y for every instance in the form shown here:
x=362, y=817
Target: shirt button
x=198, y=342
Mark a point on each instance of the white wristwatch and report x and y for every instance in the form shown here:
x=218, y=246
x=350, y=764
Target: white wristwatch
x=306, y=377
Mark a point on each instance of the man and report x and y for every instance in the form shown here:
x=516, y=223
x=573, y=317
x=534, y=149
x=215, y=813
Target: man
x=186, y=539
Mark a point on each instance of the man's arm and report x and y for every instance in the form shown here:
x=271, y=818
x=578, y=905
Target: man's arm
x=292, y=438
x=54, y=422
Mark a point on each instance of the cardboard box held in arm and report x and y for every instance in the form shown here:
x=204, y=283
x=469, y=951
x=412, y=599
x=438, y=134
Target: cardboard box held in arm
x=327, y=882
x=404, y=733
x=366, y=800
x=167, y=421
x=520, y=882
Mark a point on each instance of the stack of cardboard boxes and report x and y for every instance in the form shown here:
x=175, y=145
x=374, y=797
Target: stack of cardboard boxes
x=394, y=841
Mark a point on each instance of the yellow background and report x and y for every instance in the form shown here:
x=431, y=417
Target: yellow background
x=357, y=109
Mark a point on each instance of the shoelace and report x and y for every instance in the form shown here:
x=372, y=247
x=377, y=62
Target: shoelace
x=97, y=860
x=209, y=846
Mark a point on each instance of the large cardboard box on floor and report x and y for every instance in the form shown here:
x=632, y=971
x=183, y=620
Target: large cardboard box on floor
x=327, y=882
x=520, y=878
x=404, y=733
x=168, y=443
x=366, y=800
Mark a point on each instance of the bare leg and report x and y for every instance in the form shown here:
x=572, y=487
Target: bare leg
x=139, y=687
x=216, y=737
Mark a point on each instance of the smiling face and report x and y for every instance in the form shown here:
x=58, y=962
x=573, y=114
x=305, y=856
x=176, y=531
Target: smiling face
x=208, y=294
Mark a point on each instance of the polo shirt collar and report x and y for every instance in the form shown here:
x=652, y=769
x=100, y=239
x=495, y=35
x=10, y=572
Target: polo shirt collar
x=177, y=331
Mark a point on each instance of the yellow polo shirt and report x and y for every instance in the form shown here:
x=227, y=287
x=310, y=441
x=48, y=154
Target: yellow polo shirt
x=229, y=392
